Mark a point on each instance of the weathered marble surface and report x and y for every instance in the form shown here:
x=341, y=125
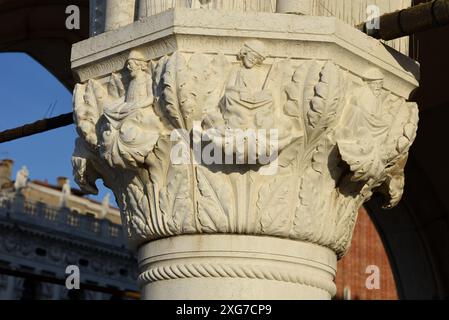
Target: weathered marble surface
x=335, y=99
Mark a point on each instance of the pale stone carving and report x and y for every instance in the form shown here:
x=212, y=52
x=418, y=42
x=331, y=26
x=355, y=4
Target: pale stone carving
x=339, y=141
x=332, y=101
x=21, y=178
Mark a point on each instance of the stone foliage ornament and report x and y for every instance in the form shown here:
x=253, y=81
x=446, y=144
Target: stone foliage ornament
x=338, y=141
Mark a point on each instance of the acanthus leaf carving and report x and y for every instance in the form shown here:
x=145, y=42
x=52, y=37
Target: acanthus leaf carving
x=274, y=205
x=174, y=67
x=216, y=201
x=316, y=189
x=361, y=152
x=83, y=169
x=138, y=213
x=86, y=112
x=175, y=201
x=400, y=138
x=340, y=138
x=326, y=104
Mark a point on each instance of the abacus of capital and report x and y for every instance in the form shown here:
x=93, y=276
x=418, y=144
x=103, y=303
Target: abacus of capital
x=336, y=98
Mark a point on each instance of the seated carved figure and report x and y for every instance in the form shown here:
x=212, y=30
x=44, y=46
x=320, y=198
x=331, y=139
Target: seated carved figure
x=132, y=127
x=366, y=105
x=246, y=103
x=139, y=94
x=248, y=124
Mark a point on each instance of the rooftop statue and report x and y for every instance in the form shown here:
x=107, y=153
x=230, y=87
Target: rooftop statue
x=21, y=178
x=65, y=194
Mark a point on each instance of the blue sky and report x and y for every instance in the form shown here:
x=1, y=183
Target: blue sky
x=27, y=91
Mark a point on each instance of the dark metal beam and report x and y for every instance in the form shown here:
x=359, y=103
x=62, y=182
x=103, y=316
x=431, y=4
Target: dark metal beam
x=409, y=21
x=36, y=127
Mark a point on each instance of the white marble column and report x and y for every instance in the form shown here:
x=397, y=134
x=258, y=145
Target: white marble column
x=107, y=15
x=225, y=267
x=119, y=13
x=294, y=6
x=267, y=219
x=151, y=7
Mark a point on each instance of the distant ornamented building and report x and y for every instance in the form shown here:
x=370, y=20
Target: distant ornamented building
x=44, y=228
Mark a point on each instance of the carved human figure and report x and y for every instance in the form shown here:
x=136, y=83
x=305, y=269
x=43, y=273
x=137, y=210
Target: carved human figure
x=131, y=127
x=366, y=105
x=248, y=109
x=21, y=179
x=246, y=101
x=247, y=106
x=139, y=93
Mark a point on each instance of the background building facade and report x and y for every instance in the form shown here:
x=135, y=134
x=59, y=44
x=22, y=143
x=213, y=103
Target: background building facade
x=44, y=228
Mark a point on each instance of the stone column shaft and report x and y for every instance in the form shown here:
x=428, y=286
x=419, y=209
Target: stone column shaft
x=188, y=267
x=119, y=13
x=294, y=6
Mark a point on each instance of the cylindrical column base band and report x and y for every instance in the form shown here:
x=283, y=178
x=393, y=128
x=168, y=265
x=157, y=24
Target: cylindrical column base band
x=226, y=267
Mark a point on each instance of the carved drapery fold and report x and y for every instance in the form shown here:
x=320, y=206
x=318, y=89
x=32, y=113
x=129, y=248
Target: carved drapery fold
x=339, y=138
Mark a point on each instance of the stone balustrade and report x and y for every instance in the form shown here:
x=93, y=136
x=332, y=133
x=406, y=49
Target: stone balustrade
x=62, y=220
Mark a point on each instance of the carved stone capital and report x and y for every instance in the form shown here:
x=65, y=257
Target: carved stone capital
x=319, y=137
